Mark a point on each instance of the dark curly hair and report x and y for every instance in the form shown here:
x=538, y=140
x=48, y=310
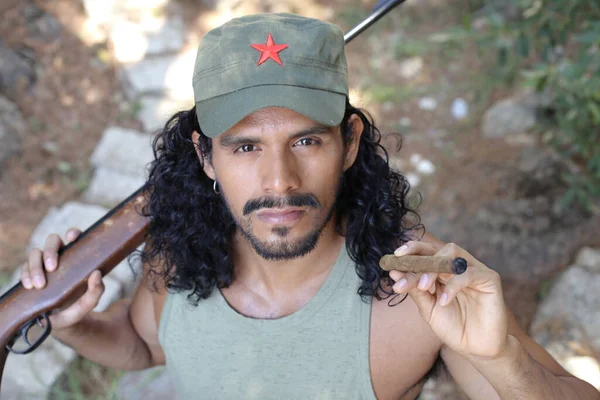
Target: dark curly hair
x=188, y=237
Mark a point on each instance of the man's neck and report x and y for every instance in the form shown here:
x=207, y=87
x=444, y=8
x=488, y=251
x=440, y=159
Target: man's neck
x=271, y=278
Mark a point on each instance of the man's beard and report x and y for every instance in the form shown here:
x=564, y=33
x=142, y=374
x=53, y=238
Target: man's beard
x=284, y=249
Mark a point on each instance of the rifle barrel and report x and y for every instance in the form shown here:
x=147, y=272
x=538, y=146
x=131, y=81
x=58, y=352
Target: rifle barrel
x=379, y=12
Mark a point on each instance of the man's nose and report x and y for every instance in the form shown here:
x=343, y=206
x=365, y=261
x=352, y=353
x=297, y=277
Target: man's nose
x=280, y=172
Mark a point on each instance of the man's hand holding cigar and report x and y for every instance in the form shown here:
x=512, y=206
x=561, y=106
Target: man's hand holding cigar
x=466, y=308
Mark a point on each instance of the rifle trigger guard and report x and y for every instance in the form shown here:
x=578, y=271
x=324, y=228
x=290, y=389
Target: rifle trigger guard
x=23, y=333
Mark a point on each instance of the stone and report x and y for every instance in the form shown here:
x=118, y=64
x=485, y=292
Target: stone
x=411, y=67
x=428, y=103
x=568, y=315
x=12, y=128
x=124, y=150
x=17, y=73
x=11, y=390
x=132, y=41
x=436, y=389
x=169, y=75
x=150, y=384
x=168, y=36
x=110, y=187
x=387, y=106
x=100, y=12
x=425, y=167
x=459, y=109
x=413, y=179
x=129, y=42
x=32, y=375
x=156, y=111
x=534, y=99
x=586, y=368
x=59, y=220
x=538, y=172
x=397, y=164
x=113, y=291
x=405, y=122
x=41, y=25
x=144, y=4
x=589, y=258
x=508, y=117
x=522, y=140
x=415, y=159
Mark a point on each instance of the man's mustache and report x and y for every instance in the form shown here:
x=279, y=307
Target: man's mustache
x=296, y=200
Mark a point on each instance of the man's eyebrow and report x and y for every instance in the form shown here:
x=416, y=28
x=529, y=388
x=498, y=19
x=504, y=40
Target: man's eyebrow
x=315, y=130
x=233, y=141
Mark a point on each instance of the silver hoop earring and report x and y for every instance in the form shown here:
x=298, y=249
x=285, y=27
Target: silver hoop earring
x=216, y=187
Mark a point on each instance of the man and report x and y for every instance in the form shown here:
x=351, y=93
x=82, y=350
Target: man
x=271, y=205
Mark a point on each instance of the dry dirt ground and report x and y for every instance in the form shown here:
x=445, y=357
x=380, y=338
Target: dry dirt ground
x=76, y=96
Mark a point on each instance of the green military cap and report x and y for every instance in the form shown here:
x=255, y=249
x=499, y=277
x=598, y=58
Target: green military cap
x=269, y=60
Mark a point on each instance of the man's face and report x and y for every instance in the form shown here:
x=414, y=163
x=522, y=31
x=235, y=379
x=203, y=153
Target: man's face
x=279, y=173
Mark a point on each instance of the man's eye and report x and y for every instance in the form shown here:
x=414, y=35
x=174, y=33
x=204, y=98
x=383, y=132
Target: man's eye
x=245, y=148
x=305, y=142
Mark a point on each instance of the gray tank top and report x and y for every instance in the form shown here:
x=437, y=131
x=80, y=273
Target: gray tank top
x=319, y=352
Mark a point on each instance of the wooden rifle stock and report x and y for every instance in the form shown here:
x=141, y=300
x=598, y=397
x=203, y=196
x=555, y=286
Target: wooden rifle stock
x=102, y=247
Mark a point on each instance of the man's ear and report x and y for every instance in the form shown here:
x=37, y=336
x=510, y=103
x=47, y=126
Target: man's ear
x=352, y=147
x=206, y=164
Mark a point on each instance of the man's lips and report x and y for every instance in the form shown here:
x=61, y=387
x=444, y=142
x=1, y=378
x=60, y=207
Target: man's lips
x=280, y=216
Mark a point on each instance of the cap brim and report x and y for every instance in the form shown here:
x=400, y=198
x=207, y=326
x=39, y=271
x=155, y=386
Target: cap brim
x=219, y=114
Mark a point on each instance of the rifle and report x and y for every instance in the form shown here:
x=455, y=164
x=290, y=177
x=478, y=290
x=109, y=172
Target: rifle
x=101, y=247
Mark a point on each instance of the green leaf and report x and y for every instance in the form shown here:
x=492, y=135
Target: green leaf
x=572, y=114
x=568, y=197
x=595, y=111
x=590, y=38
x=502, y=56
x=523, y=45
x=467, y=21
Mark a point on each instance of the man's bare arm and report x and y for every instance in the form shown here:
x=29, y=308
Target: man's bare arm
x=532, y=370
x=529, y=371
x=125, y=336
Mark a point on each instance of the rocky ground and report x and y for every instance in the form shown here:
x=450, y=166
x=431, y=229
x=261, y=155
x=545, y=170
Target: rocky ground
x=83, y=85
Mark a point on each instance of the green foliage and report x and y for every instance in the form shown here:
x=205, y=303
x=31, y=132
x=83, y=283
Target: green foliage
x=554, y=47
x=84, y=379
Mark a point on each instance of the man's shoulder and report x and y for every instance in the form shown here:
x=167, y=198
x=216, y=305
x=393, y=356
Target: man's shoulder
x=397, y=315
x=403, y=347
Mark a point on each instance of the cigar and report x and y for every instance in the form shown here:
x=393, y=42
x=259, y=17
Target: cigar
x=424, y=264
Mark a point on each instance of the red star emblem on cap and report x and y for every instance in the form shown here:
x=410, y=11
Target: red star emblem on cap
x=269, y=50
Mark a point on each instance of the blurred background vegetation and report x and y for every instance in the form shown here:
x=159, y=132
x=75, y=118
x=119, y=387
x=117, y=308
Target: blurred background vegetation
x=554, y=47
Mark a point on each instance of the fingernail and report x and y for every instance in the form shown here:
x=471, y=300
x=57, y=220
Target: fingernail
x=400, y=250
x=401, y=283
x=27, y=283
x=445, y=250
x=394, y=275
x=444, y=299
x=38, y=282
x=50, y=263
x=423, y=281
